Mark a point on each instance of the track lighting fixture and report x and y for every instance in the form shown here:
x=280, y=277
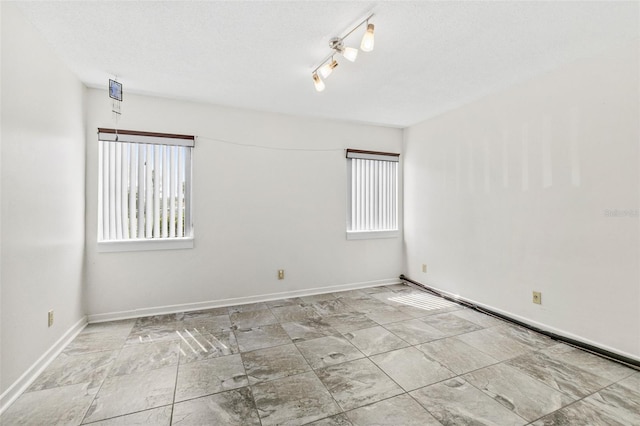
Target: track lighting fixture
x=337, y=45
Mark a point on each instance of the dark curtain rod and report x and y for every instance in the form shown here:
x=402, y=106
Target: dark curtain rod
x=151, y=134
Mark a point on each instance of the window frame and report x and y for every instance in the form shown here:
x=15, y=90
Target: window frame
x=147, y=244
x=378, y=156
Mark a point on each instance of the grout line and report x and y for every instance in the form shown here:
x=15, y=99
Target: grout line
x=106, y=377
x=240, y=352
x=128, y=414
x=175, y=384
x=249, y=385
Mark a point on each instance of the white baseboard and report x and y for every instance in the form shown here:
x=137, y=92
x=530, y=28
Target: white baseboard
x=541, y=326
x=27, y=378
x=170, y=309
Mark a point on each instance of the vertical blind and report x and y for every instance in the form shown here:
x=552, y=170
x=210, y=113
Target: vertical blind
x=144, y=185
x=373, y=191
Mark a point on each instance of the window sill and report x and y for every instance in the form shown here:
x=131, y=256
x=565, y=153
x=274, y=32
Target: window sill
x=145, y=245
x=369, y=235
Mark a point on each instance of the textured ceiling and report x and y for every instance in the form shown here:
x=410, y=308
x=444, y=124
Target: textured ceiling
x=429, y=56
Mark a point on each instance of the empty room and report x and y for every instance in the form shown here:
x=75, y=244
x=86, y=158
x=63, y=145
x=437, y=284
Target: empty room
x=320, y=212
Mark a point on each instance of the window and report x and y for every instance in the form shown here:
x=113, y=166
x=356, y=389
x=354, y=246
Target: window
x=373, y=194
x=144, y=199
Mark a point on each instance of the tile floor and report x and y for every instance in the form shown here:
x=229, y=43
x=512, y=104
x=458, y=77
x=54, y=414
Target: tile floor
x=391, y=355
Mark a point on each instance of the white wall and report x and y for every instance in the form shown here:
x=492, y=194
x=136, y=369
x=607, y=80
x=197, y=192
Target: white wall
x=255, y=210
x=509, y=194
x=43, y=160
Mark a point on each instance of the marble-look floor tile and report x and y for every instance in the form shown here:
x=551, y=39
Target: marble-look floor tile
x=198, y=346
x=399, y=410
x=331, y=307
x=247, y=308
x=274, y=363
x=632, y=383
x=231, y=408
x=253, y=318
x=64, y=405
x=205, y=313
x=328, y=350
x=207, y=324
x=537, y=380
x=150, y=356
x=411, y=368
x=374, y=290
x=158, y=319
x=265, y=336
x=483, y=320
x=388, y=298
x=456, y=402
x=375, y=340
x=85, y=343
x=560, y=376
x=317, y=298
x=527, y=397
x=337, y=420
x=408, y=299
x=309, y=329
x=363, y=304
x=66, y=369
x=160, y=332
x=413, y=311
x=133, y=392
x=357, y=383
x=456, y=355
x=160, y=416
x=120, y=328
x=387, y=314
x=291, y=313
x=284, y=302
x=618, y=403
x=451, y=324
x=414, y=331
x=292, y=400
x=495, y=344
x=426, y=302
x=210, y=376
x=593, y=364
x=526, y=337
x=436, y=311
x=399, y=287
x=579, y=413
x=350, y=293
x=349, y=321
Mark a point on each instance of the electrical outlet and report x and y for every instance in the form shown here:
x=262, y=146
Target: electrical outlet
x=424, y=268
x=50, y=318
x=281, y=274
x=537, y=298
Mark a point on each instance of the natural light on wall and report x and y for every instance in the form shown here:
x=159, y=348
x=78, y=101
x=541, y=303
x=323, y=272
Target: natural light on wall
x=144, y=191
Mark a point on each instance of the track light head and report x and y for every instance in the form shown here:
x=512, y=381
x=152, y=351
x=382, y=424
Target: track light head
x=317, y=82
x=367, y=39
x=349, y=53
x=327, y=68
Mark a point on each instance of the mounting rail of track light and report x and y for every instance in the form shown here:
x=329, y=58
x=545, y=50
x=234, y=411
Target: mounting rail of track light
x=336, y=44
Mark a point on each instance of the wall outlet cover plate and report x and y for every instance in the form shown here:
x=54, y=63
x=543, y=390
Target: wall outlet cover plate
x=537, y=297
